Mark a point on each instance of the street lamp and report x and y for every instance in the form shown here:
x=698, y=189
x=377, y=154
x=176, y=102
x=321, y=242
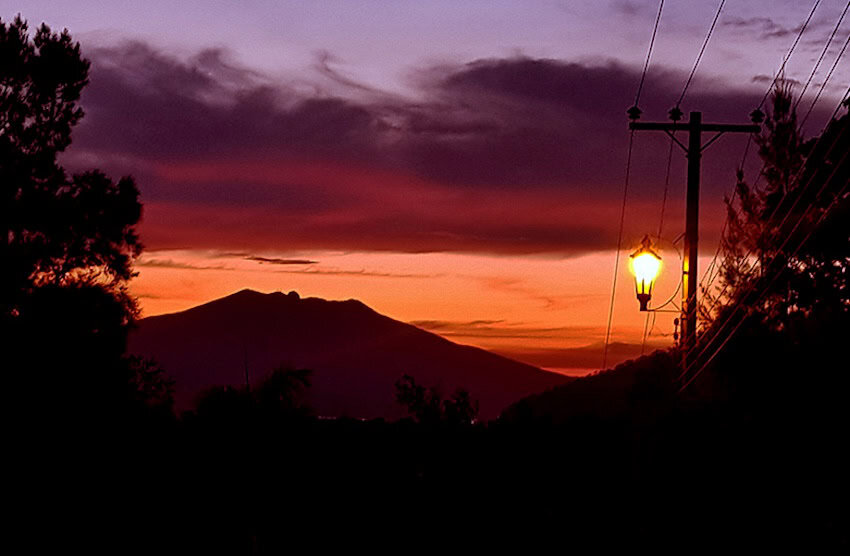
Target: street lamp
x=645, y=264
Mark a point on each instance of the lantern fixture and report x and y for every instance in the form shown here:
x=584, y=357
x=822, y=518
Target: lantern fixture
x=645, y=265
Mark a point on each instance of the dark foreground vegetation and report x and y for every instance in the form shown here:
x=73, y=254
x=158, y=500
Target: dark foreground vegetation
x=751, y=455
x=634, y=466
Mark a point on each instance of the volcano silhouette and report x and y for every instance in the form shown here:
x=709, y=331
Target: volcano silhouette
x=355, y=353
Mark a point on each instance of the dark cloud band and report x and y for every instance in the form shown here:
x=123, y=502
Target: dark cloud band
x=511, y=155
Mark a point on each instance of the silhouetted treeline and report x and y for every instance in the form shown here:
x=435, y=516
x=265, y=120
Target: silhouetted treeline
x=613, y=460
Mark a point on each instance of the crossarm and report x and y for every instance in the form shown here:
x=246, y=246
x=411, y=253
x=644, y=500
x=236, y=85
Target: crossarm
x=719, y=128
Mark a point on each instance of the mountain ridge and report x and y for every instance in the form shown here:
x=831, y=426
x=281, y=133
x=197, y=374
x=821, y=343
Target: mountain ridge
x=356, y=353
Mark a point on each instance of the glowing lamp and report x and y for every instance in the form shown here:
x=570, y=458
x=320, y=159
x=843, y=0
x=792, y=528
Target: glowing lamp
x=645, y=265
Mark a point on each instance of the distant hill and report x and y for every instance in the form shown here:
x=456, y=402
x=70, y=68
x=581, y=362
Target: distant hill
x=356, y=354
x=640, y=386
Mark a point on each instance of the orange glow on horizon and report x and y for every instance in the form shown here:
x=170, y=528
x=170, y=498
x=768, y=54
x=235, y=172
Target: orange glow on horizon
x=546, y=311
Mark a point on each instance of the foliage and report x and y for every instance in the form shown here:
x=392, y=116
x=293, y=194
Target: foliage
x=787, y=242
x=150, y=385
x=640, y=387
x=776, y=337
x=69, y=241
x=282, y=391
x=59, y=229
x=280, y=395
x=426, y=405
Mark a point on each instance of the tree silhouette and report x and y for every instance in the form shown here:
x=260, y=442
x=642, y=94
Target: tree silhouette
x=281, y=392
x=785, y=279
x=427, y=406
x=460, y=408
x=789, y=237
x=69, y=241
x=278, y=396
x=150, y=385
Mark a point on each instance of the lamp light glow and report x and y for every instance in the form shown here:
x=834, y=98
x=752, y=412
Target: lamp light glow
x=645, y=265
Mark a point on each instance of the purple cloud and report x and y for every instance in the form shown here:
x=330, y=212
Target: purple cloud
x=514, y=155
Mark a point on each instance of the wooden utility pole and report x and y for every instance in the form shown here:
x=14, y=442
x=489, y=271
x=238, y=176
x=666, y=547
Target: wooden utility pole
x=693, y=150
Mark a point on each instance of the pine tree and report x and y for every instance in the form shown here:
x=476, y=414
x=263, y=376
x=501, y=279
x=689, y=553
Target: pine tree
x=786, y=246
x=69, y=241
x=777, y=333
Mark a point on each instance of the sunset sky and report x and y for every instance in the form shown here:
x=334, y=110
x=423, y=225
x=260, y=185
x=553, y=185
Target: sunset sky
x=456, y=165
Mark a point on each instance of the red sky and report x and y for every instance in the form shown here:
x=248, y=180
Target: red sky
x=469, y=186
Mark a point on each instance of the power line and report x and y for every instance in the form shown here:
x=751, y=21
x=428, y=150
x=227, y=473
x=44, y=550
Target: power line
x=840, y=194
x=823, y=85
x=805, y=118
x=701, y=52
x=634, y=114
x=782, y=70
x=645, y=331
x=666, y=184
x=646, y=327
x=774, y=276
x=790, y=52
x=649, y=53
x=757, y=111
x=703, y=283
x=685, y=90
x=779, y=251
x=781, y=248
x=784, y=220
x=619, y=248
x=779, y=204
x=822, y=54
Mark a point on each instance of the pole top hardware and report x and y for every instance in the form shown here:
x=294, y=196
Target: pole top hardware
x=676, y=114
x=757, y=116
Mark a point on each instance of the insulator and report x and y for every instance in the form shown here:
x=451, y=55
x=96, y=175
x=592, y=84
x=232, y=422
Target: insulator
x=675, y=114
x=757, y=116
x=634, y=112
